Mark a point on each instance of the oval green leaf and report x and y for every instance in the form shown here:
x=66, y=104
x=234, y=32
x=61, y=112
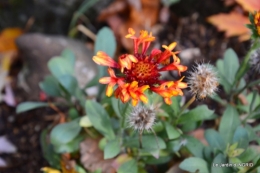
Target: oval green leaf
x=26, y=106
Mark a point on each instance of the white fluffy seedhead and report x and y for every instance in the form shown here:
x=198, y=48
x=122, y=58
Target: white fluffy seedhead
x=255, y=61
x=142, y=118
x=203, y=81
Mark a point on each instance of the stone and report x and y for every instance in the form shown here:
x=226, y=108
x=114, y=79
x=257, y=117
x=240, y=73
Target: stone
x=37, y=49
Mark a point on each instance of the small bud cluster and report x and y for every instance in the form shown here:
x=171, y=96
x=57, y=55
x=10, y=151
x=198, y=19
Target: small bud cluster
x=203, y=81
x=142, y=118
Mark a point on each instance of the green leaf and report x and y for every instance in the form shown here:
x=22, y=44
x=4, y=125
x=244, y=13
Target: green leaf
x=199, y=113
x=241, y=136
x=106, y=42
x=149, y=143
x=50, y=86
x=172, y=132
x=220, y=159
x=231, y=65
x=64, y=133
x=223, y=81
x=26, y=106
x=129, y=166
x=84, y=7
x=69, y=82
x=112, y=149
x=69, y=147
x=194, y=164
x=48, y=151
x=251, y=133
x=99, y=118
x=85, y=121
x=157, y=127
x=190, y=126
x=215, y=140
x=156, y=161
x=59, y=66
x=255, y=166
x=153, y=98
x=73, y=113
x=194, y=146
x=119, y=107
x=79, y=169
x=69, y=56
x=228, y=124
x=208, y=153
x=171, y=110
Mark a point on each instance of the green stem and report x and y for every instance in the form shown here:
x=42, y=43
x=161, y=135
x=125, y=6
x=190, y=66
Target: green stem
x=184, y=107
x=140, y=139
x=248, y=85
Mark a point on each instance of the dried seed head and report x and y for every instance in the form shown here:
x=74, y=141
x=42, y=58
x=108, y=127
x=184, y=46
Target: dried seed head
x=203, y=81
x=255, y=61
x=142, y=118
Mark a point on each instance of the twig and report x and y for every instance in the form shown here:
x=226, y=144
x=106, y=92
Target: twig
x=87, y=32
x=61, y=114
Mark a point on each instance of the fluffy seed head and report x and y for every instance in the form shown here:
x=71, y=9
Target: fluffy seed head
x=203, y=81
x=142, y=118
x=255, y=61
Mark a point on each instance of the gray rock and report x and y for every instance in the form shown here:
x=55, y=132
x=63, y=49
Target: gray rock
x=37, y=49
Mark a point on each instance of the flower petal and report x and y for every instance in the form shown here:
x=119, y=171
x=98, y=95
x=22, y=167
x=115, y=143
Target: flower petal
x=134, y=102
x=109, y=90
x=105, y=80
x=143, y=98
x=103, y=59
x=168, y=100
x=131, y=33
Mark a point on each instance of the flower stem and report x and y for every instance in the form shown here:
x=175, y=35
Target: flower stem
x=140, y=139
x=184, y=107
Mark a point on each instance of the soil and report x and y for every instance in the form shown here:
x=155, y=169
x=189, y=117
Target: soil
x=187, y=24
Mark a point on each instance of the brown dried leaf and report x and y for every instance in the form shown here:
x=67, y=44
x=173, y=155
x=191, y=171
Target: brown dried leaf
x=92, y=158
x=233, y=24
x=199, y=134
x=67, y=166
x=250, y=5
x=137, y=14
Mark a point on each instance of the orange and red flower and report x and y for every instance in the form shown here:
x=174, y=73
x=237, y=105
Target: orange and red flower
x=141, y=71
x=257, y=22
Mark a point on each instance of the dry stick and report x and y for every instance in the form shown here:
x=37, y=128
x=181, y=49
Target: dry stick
x=29, y=24
x=62, y=115
x=87, y=32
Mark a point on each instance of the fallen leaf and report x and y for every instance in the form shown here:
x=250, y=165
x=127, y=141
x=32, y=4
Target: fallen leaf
x=92, y=158
x=136, y=14
x=6, y=146
x=67, y=166
x=199, y=134
x=250, y=5
x=7, y=39
x=233, y=24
